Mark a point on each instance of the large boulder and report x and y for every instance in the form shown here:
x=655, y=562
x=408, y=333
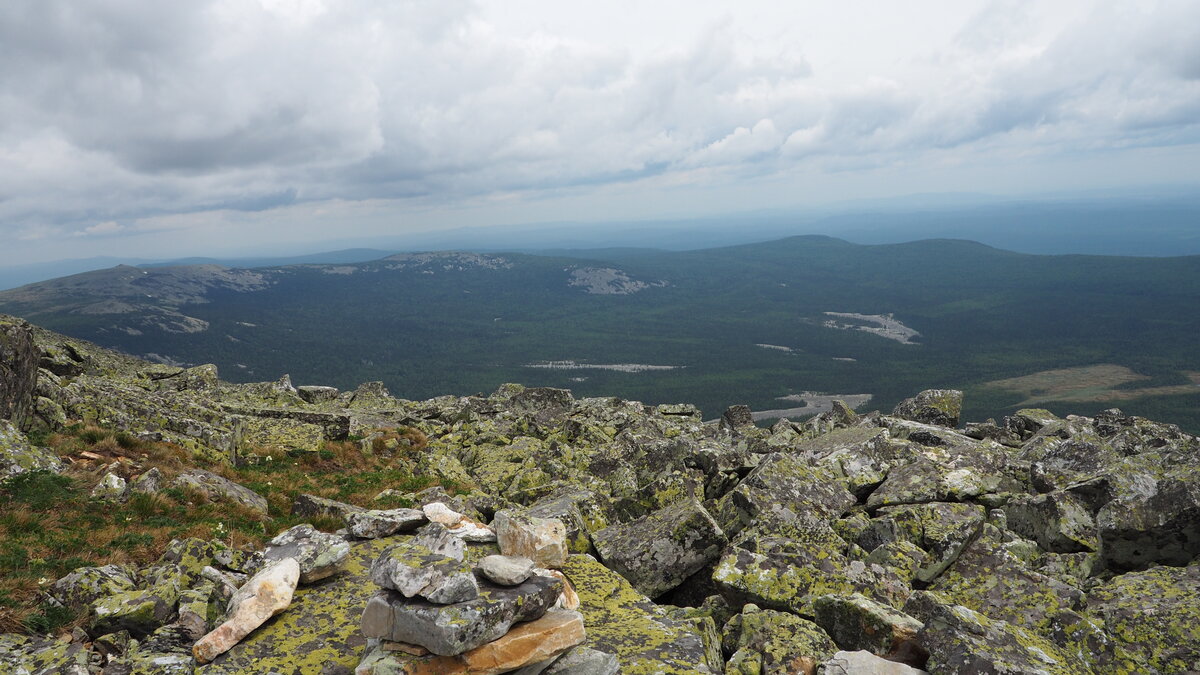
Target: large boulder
x=658, y=552
x=932, y=406
x=320, y=554
x=775, y=643
x=1158, y=523
x=791, y=578
x=1154, y=620
x=856, y=622
x=625, y=623
x=18, y=370
x=18, y=456
x=542, y=540
x=960, y=640
x=1058, y=521
x=220, y=489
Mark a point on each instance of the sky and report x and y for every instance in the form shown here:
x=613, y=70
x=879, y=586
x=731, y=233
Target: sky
x=213, y=127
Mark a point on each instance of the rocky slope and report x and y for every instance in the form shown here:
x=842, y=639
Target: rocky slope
x=601, y=535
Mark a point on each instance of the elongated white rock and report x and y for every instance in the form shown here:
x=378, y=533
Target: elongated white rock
x=266, y=594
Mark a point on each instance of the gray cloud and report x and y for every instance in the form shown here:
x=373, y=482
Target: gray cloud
x=117, y=110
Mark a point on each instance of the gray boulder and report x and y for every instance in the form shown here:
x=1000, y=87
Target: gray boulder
x=1158, y=523
x=415, y=571
x=312, y=506
x=320, y=555
x=383, y=523
x=506, y=570
x=17, y=456
x=448, y=630
x=961, y=640
x=658, y=552
x=932, y=406
x=865, y=663
x=220, y=489
x=584, y=661
x=1059, y=522
x=18, y=370
x=856, y=622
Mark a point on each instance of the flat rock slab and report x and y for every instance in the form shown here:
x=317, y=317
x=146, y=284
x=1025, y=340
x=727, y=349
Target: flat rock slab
x=865, y=663
x=383, y=523
x=506, y=570
x=220, y=489
x=534, y=642
x=320, y=555
x=449, y=630
x=416, y=571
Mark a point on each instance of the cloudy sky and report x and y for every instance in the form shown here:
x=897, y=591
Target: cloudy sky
x=143, y=127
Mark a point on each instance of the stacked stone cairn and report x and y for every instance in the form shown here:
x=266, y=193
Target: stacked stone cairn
x=436, y=612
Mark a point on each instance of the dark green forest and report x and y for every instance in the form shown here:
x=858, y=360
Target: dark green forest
x=983, y=314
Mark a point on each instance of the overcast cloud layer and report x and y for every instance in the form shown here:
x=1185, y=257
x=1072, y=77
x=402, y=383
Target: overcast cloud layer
x=173, y=128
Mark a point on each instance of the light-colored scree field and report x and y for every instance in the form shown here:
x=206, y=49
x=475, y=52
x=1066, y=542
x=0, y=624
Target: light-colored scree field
x=883, y=325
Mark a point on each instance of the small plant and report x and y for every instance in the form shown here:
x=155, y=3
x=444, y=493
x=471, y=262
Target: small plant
x=39, y=489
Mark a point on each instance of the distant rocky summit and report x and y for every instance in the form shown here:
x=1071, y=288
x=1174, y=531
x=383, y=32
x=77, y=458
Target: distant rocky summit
x=600, y=536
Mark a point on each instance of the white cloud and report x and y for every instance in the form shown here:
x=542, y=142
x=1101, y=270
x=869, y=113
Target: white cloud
x=139, y=111
x=107, y=228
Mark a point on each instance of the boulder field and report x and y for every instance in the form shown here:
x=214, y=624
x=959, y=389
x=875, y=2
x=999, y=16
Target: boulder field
x=599, y=536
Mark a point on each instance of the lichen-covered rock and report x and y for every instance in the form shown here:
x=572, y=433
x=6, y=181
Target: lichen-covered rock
x=18, y=370
x=312, y=506
x=506, y=570
x=448, y=630
x=320, y=555
x=623, y=622
x=542, y=540
x=87, y=584
x=1058, y=522
x=932, y=406
x=793, y=579
x=140, y=611
x=941, y=529
x=658, y=552
x=584, y=661
x=960, y=640
x=535, y=642
x=1153, y=618
x=416, y=571
x=1159, y=523
x=865, y=663
x=217, y=488
x=782, y=487
x=856, y=622
x=988, y=579
x=374, y=524
x=111, y=488
x=149, y=482
x=581, y=511
x=266, y=594
x=25, y=655
x=17, y=456
x=778, y=643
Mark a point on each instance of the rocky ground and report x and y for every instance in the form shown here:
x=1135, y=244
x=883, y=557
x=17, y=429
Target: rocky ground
x=603, y=536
